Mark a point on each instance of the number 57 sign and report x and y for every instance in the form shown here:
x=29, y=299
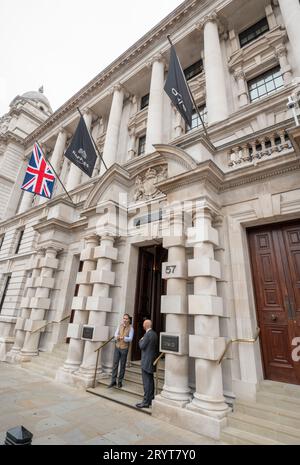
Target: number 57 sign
x=174, y=270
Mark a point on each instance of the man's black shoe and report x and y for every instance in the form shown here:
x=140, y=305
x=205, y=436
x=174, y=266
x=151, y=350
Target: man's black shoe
x=120, y=384
x=112, y=385
x=142, y=405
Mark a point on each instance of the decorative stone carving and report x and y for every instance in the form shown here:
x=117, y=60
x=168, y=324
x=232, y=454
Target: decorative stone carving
x=145, y=184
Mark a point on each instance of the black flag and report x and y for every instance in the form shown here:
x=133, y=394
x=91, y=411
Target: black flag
x=81, y=150
x=177, y=88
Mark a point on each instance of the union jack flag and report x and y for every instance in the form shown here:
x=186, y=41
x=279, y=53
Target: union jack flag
x=39, y=177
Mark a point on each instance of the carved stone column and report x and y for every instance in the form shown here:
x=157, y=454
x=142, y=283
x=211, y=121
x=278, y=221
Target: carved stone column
x=29, y=292
x=176, y=389
x=97, y=306
x=155, y=109
x=206, y=345
x=216, y=99
x=76, y=346
x=40, y=303
x=113, y=128
x=132, y=143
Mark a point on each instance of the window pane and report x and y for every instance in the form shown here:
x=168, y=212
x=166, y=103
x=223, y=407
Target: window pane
x=253, y=32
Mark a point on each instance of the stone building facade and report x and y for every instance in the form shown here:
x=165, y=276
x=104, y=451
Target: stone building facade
x=200, y=234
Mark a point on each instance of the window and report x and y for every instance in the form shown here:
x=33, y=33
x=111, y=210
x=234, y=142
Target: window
x=144, y=101
x=4, y=292
x=193, y=70
x=142, y=144
x=253, y=32
x=195, y=118
x=20, y=237
x=265, y=84
x=1, y=240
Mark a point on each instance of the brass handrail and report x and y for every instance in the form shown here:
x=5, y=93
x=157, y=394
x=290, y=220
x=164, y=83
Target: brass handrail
x=156, y=362
x=49, y=323
x=97, y=359
x=231, y=341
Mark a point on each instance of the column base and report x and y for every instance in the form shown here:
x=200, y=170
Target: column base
x=26, y=355
x=210, y=408
x=12, y=355
x=85, y=377
x=176, y=397
x=188, y=419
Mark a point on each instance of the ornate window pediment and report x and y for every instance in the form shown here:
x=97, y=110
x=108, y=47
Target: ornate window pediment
x=258, y=52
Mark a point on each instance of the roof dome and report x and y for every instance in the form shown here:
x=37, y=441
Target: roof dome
x=37, y=95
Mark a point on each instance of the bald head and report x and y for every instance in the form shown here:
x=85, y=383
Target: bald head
x=147, y=324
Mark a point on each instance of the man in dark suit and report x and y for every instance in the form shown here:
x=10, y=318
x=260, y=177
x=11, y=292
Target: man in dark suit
x=148, y=346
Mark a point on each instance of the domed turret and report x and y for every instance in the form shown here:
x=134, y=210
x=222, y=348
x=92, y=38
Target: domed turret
x=38, y=96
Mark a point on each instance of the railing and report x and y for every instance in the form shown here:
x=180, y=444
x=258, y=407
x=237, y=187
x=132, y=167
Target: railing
x=98, y=352
x=261, y=147
x=231, y=341
x=49, y=323
x=156, y=364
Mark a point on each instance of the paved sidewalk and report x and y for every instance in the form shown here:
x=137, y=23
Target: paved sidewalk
x=59, y=414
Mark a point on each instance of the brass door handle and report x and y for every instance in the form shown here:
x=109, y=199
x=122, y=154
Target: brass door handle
x=274, y=317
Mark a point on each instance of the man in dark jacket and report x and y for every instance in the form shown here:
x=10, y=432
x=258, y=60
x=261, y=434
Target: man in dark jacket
x=148, y=346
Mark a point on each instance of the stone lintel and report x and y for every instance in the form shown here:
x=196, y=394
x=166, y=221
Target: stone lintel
x=103, y=277
x=174, y=304
x=40, y=302
x=105, y=251
x=79, y=302
x=74, y=330
x=203, y=234
x=205, y=305
x=48, y=262
x=173, y=241
x=87, y=254
x=204, y=267
x=100, y=304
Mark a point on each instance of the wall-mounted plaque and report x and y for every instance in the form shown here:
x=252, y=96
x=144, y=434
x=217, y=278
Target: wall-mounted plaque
x=88, y=332
x=169, y=343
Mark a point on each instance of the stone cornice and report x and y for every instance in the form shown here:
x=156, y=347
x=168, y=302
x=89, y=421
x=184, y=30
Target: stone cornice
x=135, y=52
x=208, y=172
x=11, y=137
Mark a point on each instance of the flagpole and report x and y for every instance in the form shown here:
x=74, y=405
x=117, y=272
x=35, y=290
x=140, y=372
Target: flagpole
x=90, y=133
x=49, y=163
x=192, y=97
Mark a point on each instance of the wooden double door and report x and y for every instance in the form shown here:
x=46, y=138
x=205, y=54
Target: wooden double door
x=275, y=258
x=149, y=288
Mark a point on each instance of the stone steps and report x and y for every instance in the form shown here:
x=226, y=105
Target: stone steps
x=47, y=363
x=274, y=418
x=239, y=437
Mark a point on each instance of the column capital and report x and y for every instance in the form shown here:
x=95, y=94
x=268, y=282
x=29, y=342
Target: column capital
x=210, y=18
x=91, y=239
x=239, y=74
x=62, y=130
x=156, y=58
x=116, y=88
x=280, y=51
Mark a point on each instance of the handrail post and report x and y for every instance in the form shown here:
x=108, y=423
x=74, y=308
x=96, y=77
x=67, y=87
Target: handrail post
x=95, y=374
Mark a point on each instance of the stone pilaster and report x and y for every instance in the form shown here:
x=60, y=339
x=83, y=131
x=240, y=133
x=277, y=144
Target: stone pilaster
x=155, y=109
x=113, y=128
x=97, y=306
x=290, y=10
x=216, y=100
x=285, y=67
x=40, y=303
x=242, y=87
x=206, y=345
x=176, y=389
x=76, y=346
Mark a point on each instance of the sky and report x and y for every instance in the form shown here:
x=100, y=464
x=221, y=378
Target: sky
x=63, y=44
